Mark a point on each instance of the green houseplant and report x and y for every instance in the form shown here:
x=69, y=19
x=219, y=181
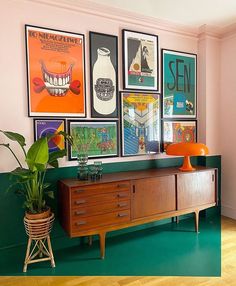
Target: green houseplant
x=30, y=180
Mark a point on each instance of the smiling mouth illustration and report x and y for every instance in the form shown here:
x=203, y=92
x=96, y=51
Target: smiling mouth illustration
x=57, y=84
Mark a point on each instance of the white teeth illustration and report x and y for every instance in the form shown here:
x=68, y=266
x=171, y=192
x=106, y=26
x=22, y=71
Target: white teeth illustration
x=57, y=83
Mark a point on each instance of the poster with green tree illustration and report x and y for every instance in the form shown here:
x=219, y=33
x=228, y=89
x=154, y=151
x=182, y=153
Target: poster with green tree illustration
x=179, y=84
x=93, y=138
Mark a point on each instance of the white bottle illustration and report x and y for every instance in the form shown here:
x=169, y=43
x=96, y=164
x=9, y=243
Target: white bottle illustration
x=104, y=83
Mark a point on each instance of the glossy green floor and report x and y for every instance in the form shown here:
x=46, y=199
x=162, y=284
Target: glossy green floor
x=166, y=249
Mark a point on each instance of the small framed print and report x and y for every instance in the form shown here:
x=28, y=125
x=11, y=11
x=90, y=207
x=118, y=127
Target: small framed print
x=97, y=139
x=179, y=76
x=179, y=131
x=55, y=73
x=140, y=123
x=103, y=75
x=43, y=127
x=140, y=61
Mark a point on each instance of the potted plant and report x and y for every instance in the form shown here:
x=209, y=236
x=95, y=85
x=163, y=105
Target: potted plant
x=29, y=176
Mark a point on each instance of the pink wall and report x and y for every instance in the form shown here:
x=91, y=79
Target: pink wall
x=80, y=19
x=227, y=127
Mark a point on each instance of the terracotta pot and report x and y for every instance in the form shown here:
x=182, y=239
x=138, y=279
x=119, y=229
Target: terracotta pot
x=41, y=215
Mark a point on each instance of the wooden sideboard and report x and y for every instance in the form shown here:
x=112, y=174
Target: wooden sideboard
x=124, y=199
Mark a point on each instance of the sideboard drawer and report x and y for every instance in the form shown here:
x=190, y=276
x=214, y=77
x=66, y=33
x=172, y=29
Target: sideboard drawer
x=84, y=191
x=99, y=199
x=84, y=210
x=95, y=222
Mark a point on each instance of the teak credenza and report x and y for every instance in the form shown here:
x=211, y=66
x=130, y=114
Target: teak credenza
x=121, y=200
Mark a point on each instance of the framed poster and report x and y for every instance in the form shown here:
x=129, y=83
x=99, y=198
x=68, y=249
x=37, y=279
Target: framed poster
x=140, y=61
x=179, y=131
x=97, y=139
x=140, y=123
x=103, y=75
x=179, y=76
x=55, y=73
x=43, y=127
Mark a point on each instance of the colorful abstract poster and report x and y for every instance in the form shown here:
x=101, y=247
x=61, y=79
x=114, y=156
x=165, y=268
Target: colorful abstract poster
x=140, y=123
x=56, y=77
x=93, y=138
x=140, y=61
x=179, y=84
x=44, y=127
x=179, y=131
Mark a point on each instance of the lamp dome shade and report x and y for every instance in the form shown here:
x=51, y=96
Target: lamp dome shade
x=186, y=150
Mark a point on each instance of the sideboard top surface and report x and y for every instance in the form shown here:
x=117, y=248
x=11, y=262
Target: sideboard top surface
x=130, y=175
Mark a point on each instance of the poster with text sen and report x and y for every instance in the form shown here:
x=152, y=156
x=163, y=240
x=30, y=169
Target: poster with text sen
x=179, y=72
x=55, y=72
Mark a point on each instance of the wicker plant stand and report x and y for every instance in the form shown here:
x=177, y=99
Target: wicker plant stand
x=39, y=245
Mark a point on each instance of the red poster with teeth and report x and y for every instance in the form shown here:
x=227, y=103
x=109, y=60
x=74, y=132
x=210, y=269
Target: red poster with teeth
x=56, y=75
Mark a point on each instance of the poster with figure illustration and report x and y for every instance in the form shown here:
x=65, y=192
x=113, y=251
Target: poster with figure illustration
x=179, y=131
x=96, y=139
x=140, y=123
x=179, y=73
x=55, y=72
x=140, y=61
x=103, y=75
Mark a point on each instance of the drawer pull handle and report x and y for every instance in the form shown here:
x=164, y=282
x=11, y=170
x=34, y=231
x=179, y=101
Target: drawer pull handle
x=121, y=195
x=80, y=212
x=122, y=215
x=79, y=191
x=122, y=205
x=122, y=185
x=80, y=202
x=80, y=223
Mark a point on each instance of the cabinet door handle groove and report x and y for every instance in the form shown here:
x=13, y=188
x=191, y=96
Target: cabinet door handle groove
x=78, y=223
x=80, y=212
x=122, y=214
x=80, y=202
x=133, y=189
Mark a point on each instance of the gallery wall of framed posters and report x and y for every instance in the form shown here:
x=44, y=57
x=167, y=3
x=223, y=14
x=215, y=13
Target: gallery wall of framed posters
x=55, y=72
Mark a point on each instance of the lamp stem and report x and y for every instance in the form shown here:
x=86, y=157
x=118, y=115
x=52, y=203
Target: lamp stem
x=187, y=165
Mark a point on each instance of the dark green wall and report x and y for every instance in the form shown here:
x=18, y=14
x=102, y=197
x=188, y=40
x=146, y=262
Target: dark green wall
x=11, y=212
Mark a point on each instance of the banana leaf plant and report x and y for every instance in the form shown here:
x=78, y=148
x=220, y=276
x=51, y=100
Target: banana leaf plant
x=30, y=180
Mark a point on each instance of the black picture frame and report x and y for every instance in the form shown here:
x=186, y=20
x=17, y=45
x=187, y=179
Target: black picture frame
x=101, y=138
x=181, y=130
x=56, y=77
x=103, y=75
x=140, y=61
x=140, y=126
x=179, y=84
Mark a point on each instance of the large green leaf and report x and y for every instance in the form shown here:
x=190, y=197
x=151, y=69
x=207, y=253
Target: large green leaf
x=14, y=137
x=38, y=155
x=53, y=156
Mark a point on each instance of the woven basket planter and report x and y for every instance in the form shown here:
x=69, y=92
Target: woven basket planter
x=39, y=245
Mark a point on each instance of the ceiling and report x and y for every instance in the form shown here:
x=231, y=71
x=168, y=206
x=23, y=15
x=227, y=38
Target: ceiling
x=188, y=12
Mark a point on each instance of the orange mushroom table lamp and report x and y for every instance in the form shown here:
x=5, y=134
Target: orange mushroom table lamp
x=187, y=150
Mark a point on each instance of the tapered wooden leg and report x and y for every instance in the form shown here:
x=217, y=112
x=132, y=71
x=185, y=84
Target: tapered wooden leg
x=196, y=221
x=102, y=237
x=27, y=255
x=177, y=219
x=90, y=240
x=50, y=251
